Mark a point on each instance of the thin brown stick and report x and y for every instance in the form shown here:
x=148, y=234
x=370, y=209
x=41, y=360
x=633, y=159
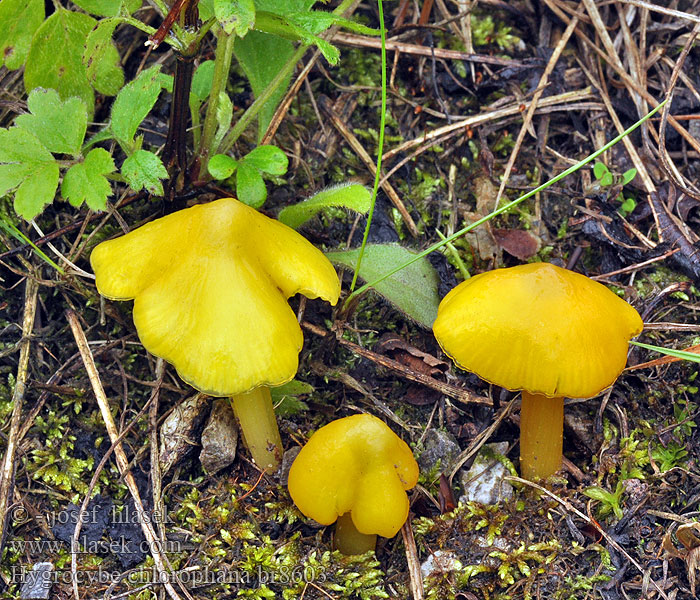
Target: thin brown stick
x=416, y=579
x=8, y=466
x=491, y=115
x=362, y=41
x=122, y=462
x=447, y=389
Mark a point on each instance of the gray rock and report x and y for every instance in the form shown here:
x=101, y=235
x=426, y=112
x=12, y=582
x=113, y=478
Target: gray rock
x=219, y=438
x=287, y=460
x=37, y=583
x=484, y=481
x=439, y=563
x=178, y=433
x=439, y=448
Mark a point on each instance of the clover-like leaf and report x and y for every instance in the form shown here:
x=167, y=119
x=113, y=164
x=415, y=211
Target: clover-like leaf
x=268, y=159
x=235, y=15
x=143, y=169
x=59, y=125
x=221, y=166
x=27, y=167
x=134, y=102
x=101, y=58
x=86, y=181
x=250, y=187
x=56, y=57
x=20, y=19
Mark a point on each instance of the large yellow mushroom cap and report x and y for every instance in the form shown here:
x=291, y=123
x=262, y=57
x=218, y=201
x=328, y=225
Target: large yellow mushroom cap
x=357, y=465
x=539, y=328
x=210, y=285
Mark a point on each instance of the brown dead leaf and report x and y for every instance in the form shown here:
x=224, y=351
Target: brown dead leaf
x=688, y=535
x=518, y=242
x=410, y=356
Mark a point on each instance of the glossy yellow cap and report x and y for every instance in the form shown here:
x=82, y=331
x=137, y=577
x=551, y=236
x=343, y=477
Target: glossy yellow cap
x=539, y=328
x=357, y=465
x=210, y=285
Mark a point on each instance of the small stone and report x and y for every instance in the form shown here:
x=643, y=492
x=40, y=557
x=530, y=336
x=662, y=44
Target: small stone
x=439, y=563
x=37, y=583
x=178, y=433
x=287, y=460
x=219, y=438
x=440, y=448
x=484, y=481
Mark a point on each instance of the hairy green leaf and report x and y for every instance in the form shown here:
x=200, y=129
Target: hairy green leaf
x=20, y=19
x=101, y=58
x=419, y=278
x=86, y=181
x=268, y=159
x=55, y=58
x=235, y=15
x=349, y=195
x=59, y=125
x=134, y=102
x=29, y=169
x=262, y=56
x=221, y=166
x=250, y=187
x=143, y=169
x=108, y=8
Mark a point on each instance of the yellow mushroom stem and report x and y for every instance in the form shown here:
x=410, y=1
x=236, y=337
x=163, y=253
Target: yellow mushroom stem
x=541, y=431
x=349, y=540
x=256, y=417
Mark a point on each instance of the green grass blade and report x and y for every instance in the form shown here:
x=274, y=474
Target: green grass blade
x=682, y=354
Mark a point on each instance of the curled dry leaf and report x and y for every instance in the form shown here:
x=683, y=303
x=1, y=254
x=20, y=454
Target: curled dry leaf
x=518, y=242
x=688, y=536
x=401, y=351
x=178, y=433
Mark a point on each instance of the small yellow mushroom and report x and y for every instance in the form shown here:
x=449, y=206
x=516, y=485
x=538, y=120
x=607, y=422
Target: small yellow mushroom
x=544, y=330
x=355, y=470
x=210, y=285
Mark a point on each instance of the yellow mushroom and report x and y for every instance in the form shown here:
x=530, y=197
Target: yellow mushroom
x=355, y=470
x=546, y=331
x=210, y=285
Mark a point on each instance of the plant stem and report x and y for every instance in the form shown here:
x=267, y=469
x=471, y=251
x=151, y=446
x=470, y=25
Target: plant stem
x=256, y=417
x=541, y=434
x=380, y=150
x=222, y=68
x=349, y=540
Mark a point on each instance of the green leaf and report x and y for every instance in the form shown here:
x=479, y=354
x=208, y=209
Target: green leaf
x=20, y=19
x=59, y=125
x=250, y=187
x=143, y=169
x=202, y=81
x=348, y=195
x=262, y=57
x=29, y=168
x=284, y=27
x=600, y=170
x=268, y=159
x=629, y=175
x=134, y=102
x=101, y=58
x=86, y=181
x=413, y=290
x=107, y=8
x=221, y=166
x=56, y=57
x=284, y=398
x=235, y=15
